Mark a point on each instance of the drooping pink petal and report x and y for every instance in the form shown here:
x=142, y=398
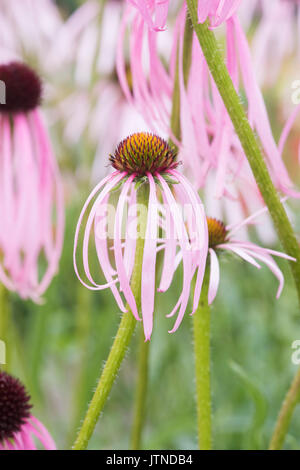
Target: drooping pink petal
x=42, y=433
x=198, y=286
x=101, y=242
x=169, y=254
x=257, y=248
x=287, y=128
x=90, y=222
x=185, y=247
x=268, y=260
x=24, y=439
x=131, y=229
x=116, y=178
x=121, y=270
x=201, y=231
x=50, y=177
x=214, y=276
x=238, y=250
x=149, y=261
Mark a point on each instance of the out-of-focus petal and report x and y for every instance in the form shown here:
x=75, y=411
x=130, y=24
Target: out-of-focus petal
x=214, y=276
x=149, y=261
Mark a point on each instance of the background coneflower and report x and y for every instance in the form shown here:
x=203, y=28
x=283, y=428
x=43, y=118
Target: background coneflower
x=18, y=427
x=221, y=238
x=30, y=191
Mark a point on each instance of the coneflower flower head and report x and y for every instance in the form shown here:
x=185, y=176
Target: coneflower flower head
x=143, y=153
x=146, y=159
x=221, y=238
x=30, y=187
x=14, y=406
x=217, y=232
x=17, y=425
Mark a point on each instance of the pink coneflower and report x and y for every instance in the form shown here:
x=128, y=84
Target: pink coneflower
x=222, y=238
x=208, y=142
x=30, y=191
x=18, y=428
x=145, y=159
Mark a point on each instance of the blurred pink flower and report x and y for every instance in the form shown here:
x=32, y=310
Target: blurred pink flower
x=18, y=428
x=217, y=11
x=27, y=29
x=30, y=189
x=209, y=144
x=271, y=44
x=145, y=158
x=154, y=12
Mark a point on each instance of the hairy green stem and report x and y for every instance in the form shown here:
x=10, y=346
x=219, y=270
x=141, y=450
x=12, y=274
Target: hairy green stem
x=106, y=381
x=291, y=400
x=122, y=338
x=141, y=390
x=247, y=138
x=201, y=327
x=186, y=65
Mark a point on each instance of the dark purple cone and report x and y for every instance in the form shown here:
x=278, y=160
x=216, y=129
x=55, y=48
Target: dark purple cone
x=23, y=88
x=14, y=406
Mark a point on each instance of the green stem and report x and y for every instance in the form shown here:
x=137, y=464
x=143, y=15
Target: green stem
x=291, y=400
x=141, y=390
x=94, y=74
x=187, y=49
x=186, y=65
x=201, y=326
x=175, y=113
x=106, y=381
x=247, y=138
x=122, y=338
